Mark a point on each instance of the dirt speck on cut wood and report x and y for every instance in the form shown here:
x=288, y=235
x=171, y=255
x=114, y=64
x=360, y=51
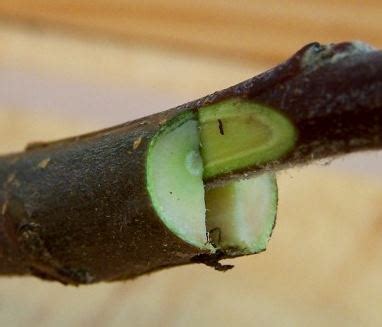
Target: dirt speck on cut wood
x=4, y=208
x=221, y=128
x=10, y=178
x=43, y=163
x=136, y=143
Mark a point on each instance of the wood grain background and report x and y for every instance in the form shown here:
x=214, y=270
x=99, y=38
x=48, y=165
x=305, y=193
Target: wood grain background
x=67, y=67
x=241, y=29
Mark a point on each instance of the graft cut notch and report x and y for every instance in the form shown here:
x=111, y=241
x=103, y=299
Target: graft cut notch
x=237, y=217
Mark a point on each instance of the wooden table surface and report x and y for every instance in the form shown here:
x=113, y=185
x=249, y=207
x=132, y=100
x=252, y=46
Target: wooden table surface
x=68, y=67
x=241, y=29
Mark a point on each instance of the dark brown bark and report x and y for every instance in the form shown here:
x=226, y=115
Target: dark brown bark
x=78, y=210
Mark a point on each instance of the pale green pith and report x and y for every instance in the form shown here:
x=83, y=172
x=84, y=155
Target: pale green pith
x=236, y=134
x=237, y=217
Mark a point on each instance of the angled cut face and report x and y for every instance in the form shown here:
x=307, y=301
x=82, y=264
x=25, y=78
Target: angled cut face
x=241, y=214
x=236, y=134
x=235, y=218
x=174, y=180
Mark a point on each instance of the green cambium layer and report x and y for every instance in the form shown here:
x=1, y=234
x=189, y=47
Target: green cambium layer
x=238, y=217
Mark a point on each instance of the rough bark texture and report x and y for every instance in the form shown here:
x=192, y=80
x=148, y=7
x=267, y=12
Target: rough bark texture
x=78, y=210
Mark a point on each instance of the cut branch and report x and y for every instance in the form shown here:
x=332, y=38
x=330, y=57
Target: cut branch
x=80, y=211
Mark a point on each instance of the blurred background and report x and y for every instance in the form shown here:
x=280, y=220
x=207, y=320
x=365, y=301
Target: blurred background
x=72, y=66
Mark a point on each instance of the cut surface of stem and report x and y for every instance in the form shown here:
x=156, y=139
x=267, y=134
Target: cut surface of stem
x=174, y=178
x=237, y=133
x=238, y=217
x=241, y=214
